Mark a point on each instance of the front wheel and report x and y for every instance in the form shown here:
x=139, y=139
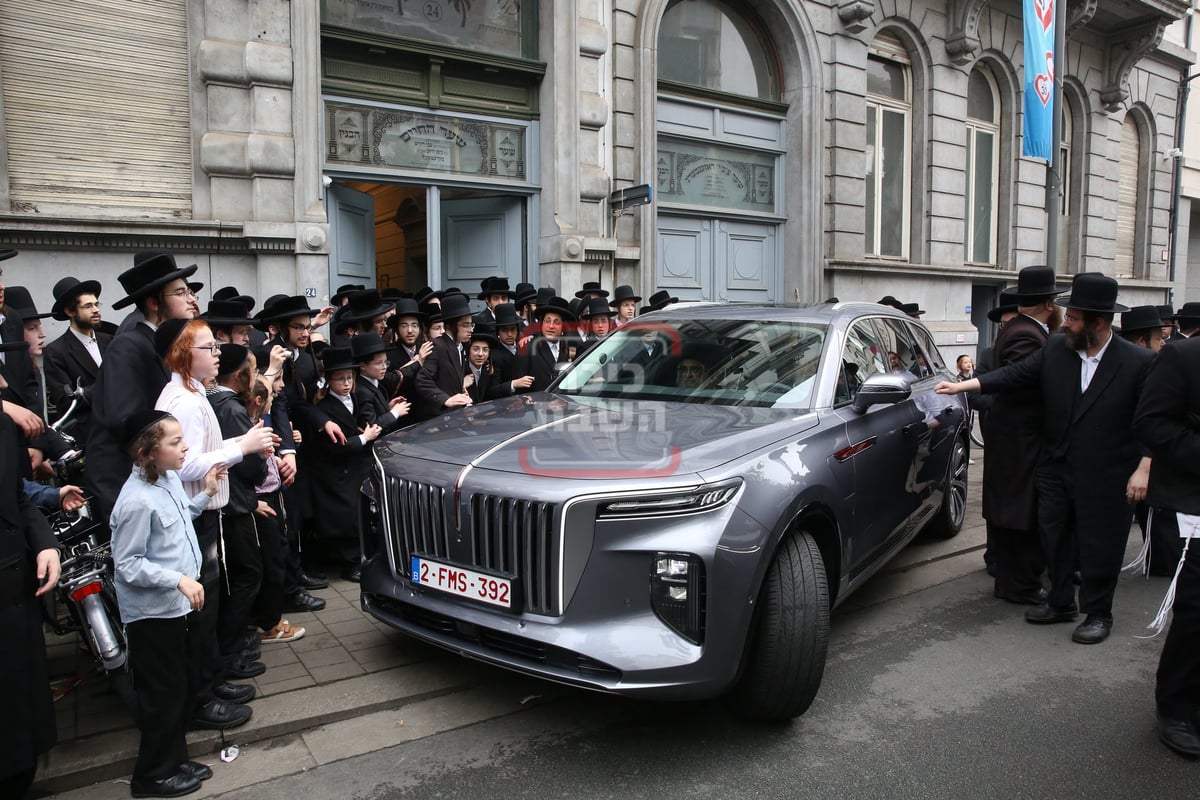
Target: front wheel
x=785, y=652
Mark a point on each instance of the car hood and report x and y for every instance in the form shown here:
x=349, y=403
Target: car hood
x=548, y=435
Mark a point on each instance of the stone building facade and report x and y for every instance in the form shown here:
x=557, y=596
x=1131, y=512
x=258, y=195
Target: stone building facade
x=795, y=150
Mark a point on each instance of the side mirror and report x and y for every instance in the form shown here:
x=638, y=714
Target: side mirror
x=881, y=389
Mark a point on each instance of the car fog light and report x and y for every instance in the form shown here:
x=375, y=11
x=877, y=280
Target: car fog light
x=677, y=593
x=671, y=567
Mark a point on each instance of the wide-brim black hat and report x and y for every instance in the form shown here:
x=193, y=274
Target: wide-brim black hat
x=557, y=305
x=1008, y=304
x=335, y=358
x=67, y=291
x=407, y=307
x=231, y=293
x=226, y=312
x=491, y=286
x=1092, y=291
x=287, y=308
x=506, y=314
x=1186, y=311
x=344, y=290
x=597, y=307
x=912, y=309
x=21, y=302
x=1140, y=318
x=7, y=253
x=152, y=270
x=1036, y=284
x=365, y=345
x=658, y=301
x=485, y=332
x=365, y=305
x=432, y=312
x=455, y=306
x=338, y=323
x=591, y=287
x=622, y=293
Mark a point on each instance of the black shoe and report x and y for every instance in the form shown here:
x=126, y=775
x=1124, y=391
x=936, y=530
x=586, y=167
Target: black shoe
x=352, y=573
x=1180, y=735
x=302, y=601
x=196, y=770
x=239, y=667
x=217, y=715
x=234, y=693
x=1044, y=613
x=1034, y=598
x=1093, y=630
x=177, y=785
x=310, y=582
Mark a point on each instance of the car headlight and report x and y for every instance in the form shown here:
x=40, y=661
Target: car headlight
x=693, y=500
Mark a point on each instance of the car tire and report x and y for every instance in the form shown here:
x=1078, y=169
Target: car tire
x=950, y=516
x=785, y=652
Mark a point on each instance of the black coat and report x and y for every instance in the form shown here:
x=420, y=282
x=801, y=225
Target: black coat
x=28, y=729
x=1168, y=423
x=65, y=361
x=131, y=378
x=17, y=368
x=373, y=406
x=252, y=469
x=540, y=362
x=1088, y=437
x=1012, y=429
x=440, y=377
x=336, y=473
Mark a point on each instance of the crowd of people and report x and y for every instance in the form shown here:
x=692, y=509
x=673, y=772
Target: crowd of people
x=1089, y=424
x=226, y=448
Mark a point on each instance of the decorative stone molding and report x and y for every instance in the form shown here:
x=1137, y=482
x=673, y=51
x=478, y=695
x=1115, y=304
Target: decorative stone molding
x=245, y=63
x=854, y=13
x=963, y=41
x=593, y=111
x=121, y=236
x=1124, y=51
x=247, y=154
x=593, y=38
x=1079, y=14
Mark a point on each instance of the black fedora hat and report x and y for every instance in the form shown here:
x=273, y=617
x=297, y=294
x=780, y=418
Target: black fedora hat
x=1140, y=318
x=366, y=305
x=231, y=293
x=523, y=288
x=1092, y=291
x=622, y=293
x=597, y=307
x=338, y=323
x=888, y=300
x=407, y=307
x=545, y=294
x=557, y=305
x=911, y=309
x=335, y=358
x=286, y=308
x=7, y=253
x=506, y=314
x=223, y=313
x=485, y=332
x=1187, y=311
x=432, y=312
x=365, y=345
x=425, y=294
x=590, y=288
x=455, y=306
x=344, y=290
x=259, y=320
x=1008, y=304
x=1166, y=312
x=21, y=302
x=658, y=301
x=67, y=291
x=495, y=284
x=152, y=270
x=232, y=357
x=1036, y=284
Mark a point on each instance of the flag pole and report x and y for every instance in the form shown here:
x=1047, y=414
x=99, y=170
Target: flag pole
x=1054, y=176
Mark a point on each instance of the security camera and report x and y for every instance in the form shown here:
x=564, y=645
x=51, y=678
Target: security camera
x=326, y=180
x=1174, y=152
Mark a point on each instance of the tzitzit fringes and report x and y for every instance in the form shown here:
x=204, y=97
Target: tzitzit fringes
x=1142, y=560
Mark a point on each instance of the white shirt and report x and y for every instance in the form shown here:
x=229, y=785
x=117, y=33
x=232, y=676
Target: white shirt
x=1087, y=370
x=348, y=402
x=553, y=348
x=89, y=343
x=2, y=319
x=202, y=432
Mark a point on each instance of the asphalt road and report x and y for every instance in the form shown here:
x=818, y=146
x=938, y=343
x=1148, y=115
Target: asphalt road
x=933, y=690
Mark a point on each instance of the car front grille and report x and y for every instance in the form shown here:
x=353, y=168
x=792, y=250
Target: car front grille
x=499, y=535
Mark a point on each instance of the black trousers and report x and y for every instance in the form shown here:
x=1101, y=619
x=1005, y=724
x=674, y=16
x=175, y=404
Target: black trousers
x=1165, y=545
x=204, y=665
x=241, y=580
x=295, y=503
x=1085, y=531
x=158, y=652
x=1016, y=559
x=1177, y=692
x=272, y=540
x=17, y=785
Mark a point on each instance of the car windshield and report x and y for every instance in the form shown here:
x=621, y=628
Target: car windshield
x=716, y=361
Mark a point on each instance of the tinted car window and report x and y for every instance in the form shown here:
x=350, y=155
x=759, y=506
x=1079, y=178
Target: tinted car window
x=862, y=356
x=926, y=344
x=722, y=362
x=903, y=356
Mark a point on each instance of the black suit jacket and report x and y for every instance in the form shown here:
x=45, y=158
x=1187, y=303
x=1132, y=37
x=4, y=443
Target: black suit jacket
x=131, y=378
x=539, y=362
x=1168, y=422
x=336, y=472
x=440, y=377
x=65, y=361
x=373, y=406
x=17, y=368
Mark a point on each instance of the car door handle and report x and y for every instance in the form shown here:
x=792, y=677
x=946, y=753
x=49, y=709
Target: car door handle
x=914, y=429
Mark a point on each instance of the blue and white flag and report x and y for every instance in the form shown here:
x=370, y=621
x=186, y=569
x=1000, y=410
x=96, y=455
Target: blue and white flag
x=1039, y=79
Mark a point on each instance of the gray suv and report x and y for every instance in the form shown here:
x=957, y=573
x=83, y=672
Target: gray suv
x=678, y=514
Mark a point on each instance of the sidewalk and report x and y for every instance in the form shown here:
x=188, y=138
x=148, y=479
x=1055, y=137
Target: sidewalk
x=348, y=665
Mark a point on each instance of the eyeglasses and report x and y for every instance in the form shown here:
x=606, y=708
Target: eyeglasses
x=89, y=306
x=213, y=348
x=298, y=327
x=180, y=293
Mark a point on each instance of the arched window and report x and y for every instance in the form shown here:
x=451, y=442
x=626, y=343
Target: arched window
x=1067, y=252
x=889, y=148
x=1128, y=207
x=707, y=44
x=983, y=162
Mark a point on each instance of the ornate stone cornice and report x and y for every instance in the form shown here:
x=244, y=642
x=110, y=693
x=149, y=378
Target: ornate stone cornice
x=1125, y=49
x=963, y=41
x=60, y=233
x=1079, y=14
x=855, y=13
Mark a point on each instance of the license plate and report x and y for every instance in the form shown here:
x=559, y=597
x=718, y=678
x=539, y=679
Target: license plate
x=462, y=582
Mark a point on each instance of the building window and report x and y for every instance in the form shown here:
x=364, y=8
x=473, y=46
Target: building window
x=1066, y=228
x=1129, y=186
x=707, y=44
x=501, y=28
x=983, y=165
x=888, y=152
